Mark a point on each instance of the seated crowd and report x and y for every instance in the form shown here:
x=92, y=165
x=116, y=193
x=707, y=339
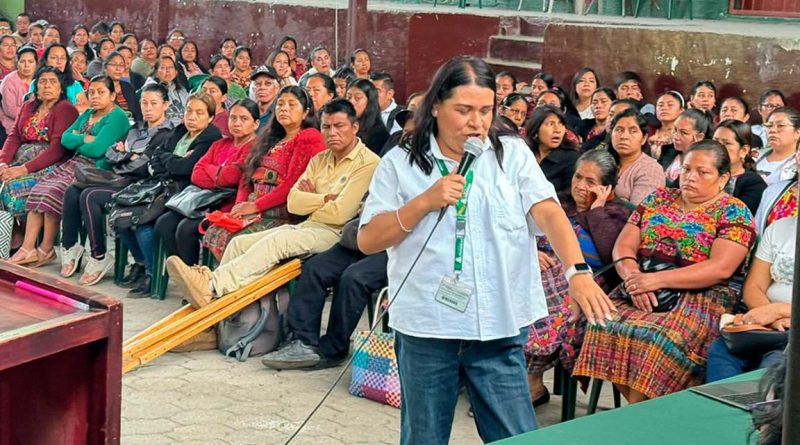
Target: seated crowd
x=295, y=142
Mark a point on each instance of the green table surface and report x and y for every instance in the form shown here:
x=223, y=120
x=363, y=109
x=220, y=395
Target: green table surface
x=682, y=418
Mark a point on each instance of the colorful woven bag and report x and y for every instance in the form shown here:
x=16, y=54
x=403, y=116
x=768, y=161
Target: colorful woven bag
x=375, y=375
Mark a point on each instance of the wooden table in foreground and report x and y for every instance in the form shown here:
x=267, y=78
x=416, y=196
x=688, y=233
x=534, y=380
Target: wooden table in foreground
x=683, y=418
x=60, y=367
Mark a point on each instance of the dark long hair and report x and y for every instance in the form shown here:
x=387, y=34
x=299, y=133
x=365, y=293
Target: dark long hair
x=577, y=77
x=743, y=135
x=535, y=122
x=61, y=81
x=641, y=122
x=68, y=80
x=275, y=131
x=196, y=57
x=456, y=72
x=768, y=421
x=372, y=113
x=180, y=79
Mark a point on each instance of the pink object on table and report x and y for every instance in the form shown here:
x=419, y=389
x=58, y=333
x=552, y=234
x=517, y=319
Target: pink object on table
x=51, y=295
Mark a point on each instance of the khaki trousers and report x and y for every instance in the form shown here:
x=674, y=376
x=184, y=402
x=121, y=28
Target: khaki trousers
x=249, y=257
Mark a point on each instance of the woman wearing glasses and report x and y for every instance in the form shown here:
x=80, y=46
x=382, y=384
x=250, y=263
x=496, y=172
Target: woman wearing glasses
x=167, y=72
x=515, y=108
x=56, y=56
x=125, y=92
x=769, y=101
x=783, y=133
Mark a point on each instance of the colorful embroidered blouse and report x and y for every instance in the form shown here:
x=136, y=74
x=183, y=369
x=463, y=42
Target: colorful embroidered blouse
x=35, y=130
x=668, y=232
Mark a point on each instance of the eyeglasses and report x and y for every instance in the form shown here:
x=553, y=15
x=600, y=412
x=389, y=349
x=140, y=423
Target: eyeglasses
x=780, y=126
x=177, y=38
x=513, y=112
x=166, y=68
x=769, y=106
x=116, y=65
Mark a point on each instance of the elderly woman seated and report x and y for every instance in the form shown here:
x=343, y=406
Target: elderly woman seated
x=705, y=234
x=597, y=217
x=767, y=293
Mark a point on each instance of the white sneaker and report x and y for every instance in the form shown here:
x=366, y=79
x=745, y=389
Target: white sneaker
x=96, y=270
x=71, y=259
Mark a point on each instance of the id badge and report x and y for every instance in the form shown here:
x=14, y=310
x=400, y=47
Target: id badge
x=454, y=294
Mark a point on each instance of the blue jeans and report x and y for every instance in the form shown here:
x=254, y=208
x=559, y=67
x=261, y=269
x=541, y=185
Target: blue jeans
x=722, y=364
x=141, y=242
x=433, y=370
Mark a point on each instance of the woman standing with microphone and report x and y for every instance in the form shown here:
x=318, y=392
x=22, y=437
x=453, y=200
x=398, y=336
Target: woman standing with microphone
x=463, y=314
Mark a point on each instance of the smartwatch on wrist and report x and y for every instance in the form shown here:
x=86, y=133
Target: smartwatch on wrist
x=577, y=269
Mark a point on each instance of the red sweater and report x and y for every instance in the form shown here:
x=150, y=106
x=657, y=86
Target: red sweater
x=289, y=162
x=59, y=119
x=221, y=166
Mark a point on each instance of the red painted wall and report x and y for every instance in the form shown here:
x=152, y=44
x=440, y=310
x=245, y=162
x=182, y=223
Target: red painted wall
x=667, y=60
x=410, y=46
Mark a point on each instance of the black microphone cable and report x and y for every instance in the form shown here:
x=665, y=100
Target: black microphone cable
x=371, y=331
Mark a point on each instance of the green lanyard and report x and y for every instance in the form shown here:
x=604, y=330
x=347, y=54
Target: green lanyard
x=461, y=218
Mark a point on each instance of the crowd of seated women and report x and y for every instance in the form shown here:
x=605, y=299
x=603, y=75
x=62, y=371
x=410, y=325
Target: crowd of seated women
x=694, y=181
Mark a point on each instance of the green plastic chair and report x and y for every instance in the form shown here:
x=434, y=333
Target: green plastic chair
x=669, y=8
x=462, y=3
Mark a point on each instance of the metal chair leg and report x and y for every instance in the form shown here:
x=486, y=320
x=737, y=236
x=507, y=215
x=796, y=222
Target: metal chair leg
x=636, y=8
x=617, y=397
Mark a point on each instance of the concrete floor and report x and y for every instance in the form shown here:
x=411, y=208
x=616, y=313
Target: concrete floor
x=204, y=398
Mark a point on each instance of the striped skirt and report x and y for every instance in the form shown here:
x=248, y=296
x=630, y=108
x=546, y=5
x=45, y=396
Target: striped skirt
x=217, y=238
x=16, y=191
x=554, y=339
x=48, y=195
x=656, y=353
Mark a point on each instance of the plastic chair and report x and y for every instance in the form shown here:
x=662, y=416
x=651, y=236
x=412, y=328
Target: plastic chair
x=669, y=8
x=463, y=3
x=594, y=397
x=120, y=260
x=160, y=279
x=567, y=387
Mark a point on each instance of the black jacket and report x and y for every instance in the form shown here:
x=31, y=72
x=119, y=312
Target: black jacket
x=375, y=137
x=165, y=163
x=129, y=92
x=749, y=188
x=559, y=166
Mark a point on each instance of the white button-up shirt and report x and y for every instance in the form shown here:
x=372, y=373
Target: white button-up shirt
x=500, y=260
x=385, y=118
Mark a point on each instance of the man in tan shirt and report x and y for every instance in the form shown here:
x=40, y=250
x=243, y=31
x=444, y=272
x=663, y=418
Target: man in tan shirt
x=329, y=192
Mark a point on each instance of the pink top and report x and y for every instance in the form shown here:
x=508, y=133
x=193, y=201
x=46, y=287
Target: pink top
x=13, y=89
x=640, y=179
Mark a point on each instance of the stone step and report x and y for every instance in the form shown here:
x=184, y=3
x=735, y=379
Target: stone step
x=529, y=26
x=516, y=48
x=524, y=71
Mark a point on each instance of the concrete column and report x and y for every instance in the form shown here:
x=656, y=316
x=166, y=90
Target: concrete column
x=356, y=26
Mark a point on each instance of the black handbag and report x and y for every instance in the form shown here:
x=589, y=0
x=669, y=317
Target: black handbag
x=88, y=176
x=141, y=192
x=193, y=201
x=667, y=298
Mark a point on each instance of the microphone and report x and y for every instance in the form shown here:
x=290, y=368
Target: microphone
x=472, y=149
